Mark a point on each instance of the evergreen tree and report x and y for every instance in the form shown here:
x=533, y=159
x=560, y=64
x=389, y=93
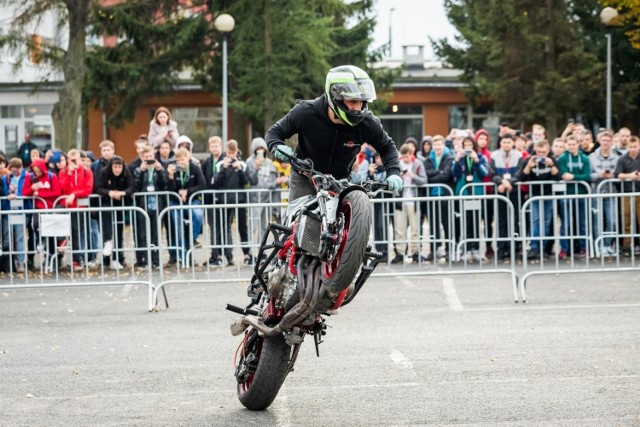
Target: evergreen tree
x=531, y=57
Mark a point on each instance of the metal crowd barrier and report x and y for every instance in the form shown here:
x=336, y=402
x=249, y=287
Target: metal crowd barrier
x=447, y=234
x=59, y=256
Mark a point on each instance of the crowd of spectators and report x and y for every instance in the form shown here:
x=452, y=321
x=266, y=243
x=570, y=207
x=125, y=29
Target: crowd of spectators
x=464, y=162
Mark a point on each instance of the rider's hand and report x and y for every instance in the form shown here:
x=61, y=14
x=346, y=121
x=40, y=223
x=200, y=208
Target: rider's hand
x=394, y=182
x=284, y=148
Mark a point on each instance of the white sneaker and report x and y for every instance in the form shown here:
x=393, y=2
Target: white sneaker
x=476, y=255
x=610, y=251
x=115, y=265
x=467, y=256
x=441, y=252
x=108, y=248
x=92, y=265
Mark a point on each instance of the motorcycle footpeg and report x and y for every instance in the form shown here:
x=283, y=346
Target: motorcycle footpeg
x=237, y=326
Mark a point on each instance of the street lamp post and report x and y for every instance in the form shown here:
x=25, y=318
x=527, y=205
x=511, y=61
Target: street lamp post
x=608, y=16
x=224, y=23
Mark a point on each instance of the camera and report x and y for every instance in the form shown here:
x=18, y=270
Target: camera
x=150, y=162
x=467, y=152
x=233, y=160
x=178, y=168
x=541, y=162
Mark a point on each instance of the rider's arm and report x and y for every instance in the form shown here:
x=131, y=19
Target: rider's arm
x=284, y=128
x=383, y=144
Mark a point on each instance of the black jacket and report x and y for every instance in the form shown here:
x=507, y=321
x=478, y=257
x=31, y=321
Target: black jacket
x=441, y=174
x=192, y=180
x=332, y=147
x=231, y=178
x=539, y=173
x=107, y=181
x=210, y=177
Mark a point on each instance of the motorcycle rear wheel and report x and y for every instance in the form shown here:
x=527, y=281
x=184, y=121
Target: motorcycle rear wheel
x=338, y=274
x=261, y=388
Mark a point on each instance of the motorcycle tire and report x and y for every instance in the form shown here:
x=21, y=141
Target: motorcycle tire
x=259, y=391
x=338, y=274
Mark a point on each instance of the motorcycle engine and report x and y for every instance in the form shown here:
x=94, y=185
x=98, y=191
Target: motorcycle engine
x=282, y=285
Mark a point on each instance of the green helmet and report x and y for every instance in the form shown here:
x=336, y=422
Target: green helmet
x=349, y=82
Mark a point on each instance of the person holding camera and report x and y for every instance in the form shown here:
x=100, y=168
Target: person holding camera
x=162, y=128
x=263, y=176
x=214, y=215
x=185, y=178
x=149, y=178
x=232, y=176
x=540, y=167
x=76, y=182
x=470, y=167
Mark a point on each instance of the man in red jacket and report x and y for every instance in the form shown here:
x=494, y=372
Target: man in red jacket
x=77, y=183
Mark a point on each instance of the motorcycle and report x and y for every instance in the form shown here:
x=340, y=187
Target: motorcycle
x=305, y=272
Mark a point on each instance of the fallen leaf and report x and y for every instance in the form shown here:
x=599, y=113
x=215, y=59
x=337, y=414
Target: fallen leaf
x=75, y=373
x=29, y=395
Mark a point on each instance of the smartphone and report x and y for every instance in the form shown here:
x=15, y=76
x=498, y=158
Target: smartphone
x=150, y=162
x=467, y=152
x=260, y=155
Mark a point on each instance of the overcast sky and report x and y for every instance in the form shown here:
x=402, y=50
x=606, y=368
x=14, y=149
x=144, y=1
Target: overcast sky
x=412, y=22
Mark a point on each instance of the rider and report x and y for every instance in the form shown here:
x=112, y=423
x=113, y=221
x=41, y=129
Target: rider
x=332, y=128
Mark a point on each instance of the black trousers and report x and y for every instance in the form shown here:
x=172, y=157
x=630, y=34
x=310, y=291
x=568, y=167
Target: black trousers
x=504, y=245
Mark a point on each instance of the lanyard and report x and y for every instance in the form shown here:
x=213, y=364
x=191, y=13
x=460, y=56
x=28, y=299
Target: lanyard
x=437, y=161
x=214, y=165
x=184, y=178
x=150, y=177
x=506, y=157
x=469, y=165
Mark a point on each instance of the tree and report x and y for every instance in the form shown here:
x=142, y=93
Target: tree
x=531, y=58
x=281, y=51
x=630, y=16
x=73, y=13
x=157, y=39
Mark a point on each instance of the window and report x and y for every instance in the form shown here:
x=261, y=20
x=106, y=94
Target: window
x=403, y=121
x=198, y=123
x=10, y=112
x=458, y=117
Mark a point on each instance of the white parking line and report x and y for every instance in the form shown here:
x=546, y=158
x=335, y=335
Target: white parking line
x=452, y=295
x=400, y=359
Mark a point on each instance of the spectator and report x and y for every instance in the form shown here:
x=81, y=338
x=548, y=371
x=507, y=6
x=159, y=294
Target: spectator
x=520, y=145
x=140, y=144
x=628, y=169
x=214, y=215
x=574, y=168
x=557, y=149
x=603, y=162
x=34, y=154
x=3, y=166
x=505, y=163
x=13, y=236
x=262, y=175
x=185, y=142
x=149, y=178
x=586, y=142
x=360, y=167
x=377, y=172
x=282, y=195
x=484, y=142
x=413, y=144
x=44, y=185
x=425, y=149
x=413, y=174
x=438, y=168
x=625, y=136
x=107, y=151
x=25, y=151
x=185, y=178
x=540, y=167
x=76, y=183
x=470, y=167
x=165, y=154
x=115, y=186
x=162, y=128
x=231, y=176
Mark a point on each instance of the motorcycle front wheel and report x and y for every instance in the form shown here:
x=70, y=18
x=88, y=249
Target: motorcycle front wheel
x=260, y=388
x=355, y=212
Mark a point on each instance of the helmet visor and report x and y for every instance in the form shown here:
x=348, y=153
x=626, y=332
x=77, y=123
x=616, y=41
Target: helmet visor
x=360, y=90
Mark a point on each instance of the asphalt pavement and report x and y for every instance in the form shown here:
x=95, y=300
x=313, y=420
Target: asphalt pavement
x=437, y=351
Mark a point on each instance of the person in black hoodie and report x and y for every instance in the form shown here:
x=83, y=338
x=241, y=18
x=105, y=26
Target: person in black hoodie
x=231, y=176
x=185, y=178
x=115, y=185
x=149, y=178
x=214, y=216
